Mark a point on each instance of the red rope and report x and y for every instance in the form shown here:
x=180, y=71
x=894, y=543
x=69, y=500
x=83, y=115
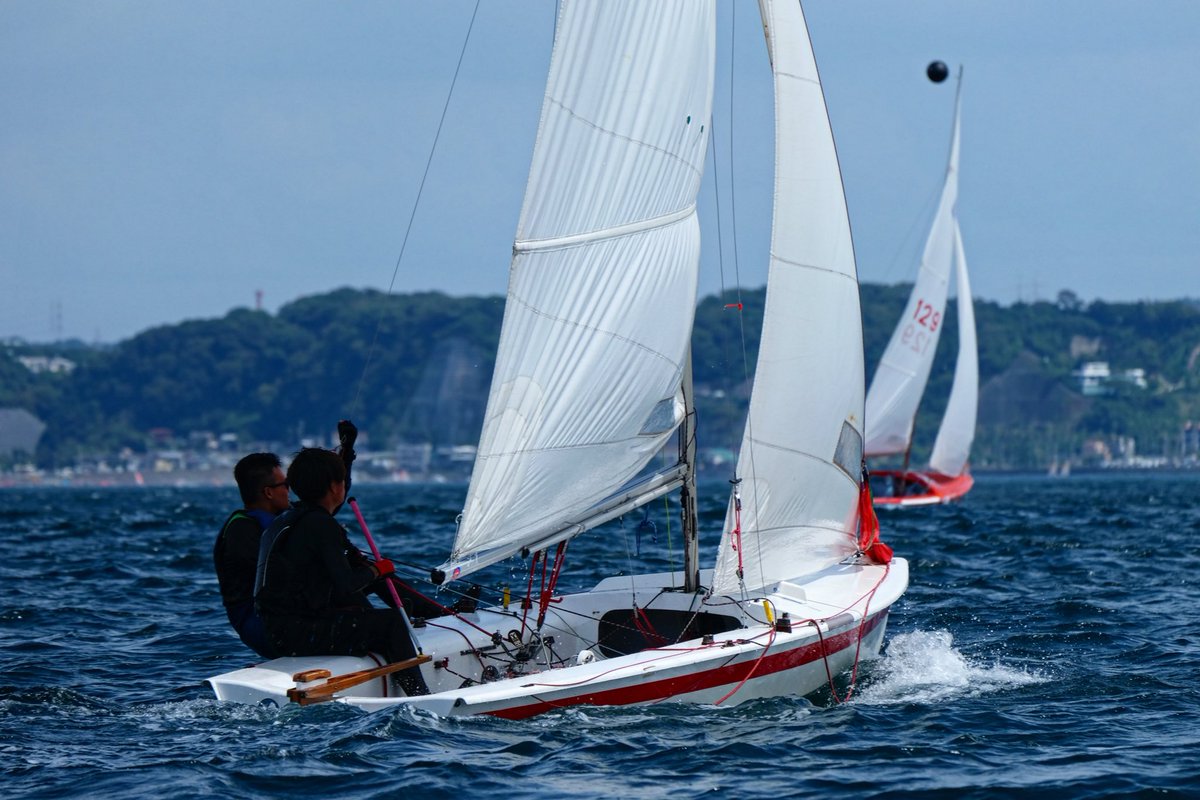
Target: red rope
x=753, y=668
x=646, y=628
x=737, y=529
x=548, y=591
x=527, y=602
x=449, y=611
x=858, y=645
x=824, y=654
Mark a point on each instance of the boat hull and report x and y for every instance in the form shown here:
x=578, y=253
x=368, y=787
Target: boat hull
x=582, y=664
x=917, y=488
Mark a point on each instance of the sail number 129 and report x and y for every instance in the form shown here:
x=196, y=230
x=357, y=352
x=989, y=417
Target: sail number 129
x=925, y=315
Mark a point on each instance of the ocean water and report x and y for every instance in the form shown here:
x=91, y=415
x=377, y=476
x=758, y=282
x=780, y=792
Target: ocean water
x=1047, y=647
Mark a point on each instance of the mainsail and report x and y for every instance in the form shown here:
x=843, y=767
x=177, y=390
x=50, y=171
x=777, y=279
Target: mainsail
x=801, y=452
x=903, y=371
x=602, y=286
x=952, y=447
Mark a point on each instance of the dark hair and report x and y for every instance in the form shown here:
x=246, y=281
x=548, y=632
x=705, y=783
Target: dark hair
x=312, y=471
x=253, y=473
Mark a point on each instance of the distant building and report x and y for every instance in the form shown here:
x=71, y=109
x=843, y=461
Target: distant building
x=1092, y=377
x=19, y=431
x=1095, y=378
x=54, y=364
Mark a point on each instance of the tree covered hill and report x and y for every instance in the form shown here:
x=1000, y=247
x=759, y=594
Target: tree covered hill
x=416, y=368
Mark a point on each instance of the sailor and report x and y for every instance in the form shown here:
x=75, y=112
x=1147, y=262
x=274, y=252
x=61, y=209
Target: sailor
x=310, y=580
x=264, y=491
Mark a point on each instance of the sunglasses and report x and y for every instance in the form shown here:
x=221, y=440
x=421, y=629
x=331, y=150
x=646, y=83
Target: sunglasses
x=284, y=484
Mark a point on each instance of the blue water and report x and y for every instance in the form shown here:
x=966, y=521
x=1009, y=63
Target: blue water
x=1047, y=647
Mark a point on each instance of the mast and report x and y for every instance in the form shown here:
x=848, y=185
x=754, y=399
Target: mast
x=951, y=170
x=687, y=495
x=900, y=379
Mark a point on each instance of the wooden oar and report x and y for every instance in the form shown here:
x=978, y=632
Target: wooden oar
x=325, y=691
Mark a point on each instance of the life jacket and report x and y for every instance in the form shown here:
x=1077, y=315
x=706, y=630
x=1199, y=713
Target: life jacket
x=286, y=592
x=236, y=585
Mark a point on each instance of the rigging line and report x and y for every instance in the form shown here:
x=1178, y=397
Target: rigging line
x=906, y=247
x=732, y=129
x=416, y=204
x=629, y=560
x=712, y=145
x=737, y=288
x=470, y=646
x=670, y=547
x=749, y=440
x=737, y=273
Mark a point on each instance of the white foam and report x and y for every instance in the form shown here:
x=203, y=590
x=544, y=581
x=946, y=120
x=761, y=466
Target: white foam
x=924, y=667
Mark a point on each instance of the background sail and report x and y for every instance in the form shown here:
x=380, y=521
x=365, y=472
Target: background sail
x=802, y=448
x=903, y=371
x=953, y=445
x=602, y=287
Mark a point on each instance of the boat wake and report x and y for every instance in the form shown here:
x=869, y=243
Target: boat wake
x=924, y=667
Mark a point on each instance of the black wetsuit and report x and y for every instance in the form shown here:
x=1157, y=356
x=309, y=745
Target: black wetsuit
x=235, y=556
x=309, y=592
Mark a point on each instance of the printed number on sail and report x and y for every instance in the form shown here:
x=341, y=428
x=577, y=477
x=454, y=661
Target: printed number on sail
x=925, y=315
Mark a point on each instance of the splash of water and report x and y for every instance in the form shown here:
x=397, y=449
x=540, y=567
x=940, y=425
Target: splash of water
x=924, y=667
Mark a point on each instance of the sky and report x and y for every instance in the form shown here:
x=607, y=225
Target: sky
x=163, y=161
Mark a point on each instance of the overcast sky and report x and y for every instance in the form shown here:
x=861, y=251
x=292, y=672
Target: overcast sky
x=162, y=161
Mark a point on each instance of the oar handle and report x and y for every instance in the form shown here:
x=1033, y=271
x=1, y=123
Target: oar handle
x=325, y=691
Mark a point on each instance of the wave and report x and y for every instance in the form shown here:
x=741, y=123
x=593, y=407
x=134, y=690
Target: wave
x=924, y=667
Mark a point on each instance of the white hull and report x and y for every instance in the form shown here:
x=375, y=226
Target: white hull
x=750, y=660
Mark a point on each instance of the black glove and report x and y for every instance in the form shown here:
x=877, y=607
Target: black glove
x=347, y=436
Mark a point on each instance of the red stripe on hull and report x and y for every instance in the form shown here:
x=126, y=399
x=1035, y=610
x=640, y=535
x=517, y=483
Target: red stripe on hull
x=721, y=676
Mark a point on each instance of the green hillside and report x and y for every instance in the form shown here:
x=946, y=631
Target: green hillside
x=415, y=368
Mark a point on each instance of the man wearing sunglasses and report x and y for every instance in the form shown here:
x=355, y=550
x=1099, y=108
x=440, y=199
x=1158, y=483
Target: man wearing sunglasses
x=264, y=491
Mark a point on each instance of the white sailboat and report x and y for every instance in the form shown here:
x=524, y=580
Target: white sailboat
x=592, y=378
x=903, y=371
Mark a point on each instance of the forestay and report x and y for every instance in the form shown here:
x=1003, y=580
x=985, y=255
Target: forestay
x=602, y=287
x=903, y=371
x=801, y=451
x=952, y=447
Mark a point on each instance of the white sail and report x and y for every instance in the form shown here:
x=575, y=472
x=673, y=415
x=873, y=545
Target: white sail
x=952, y=447
x=801, y=452
x=903, y=370
x=602, y=287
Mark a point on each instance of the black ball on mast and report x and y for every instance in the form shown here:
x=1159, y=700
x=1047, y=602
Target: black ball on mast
x=937, y=71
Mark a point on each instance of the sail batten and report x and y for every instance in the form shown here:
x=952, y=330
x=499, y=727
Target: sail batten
x=605, y=233
x=786, y=262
